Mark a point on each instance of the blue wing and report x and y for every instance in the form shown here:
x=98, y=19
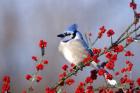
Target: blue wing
x=85, y=44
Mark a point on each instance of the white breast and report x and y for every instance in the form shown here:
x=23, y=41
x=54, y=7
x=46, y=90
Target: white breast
x=73, y=51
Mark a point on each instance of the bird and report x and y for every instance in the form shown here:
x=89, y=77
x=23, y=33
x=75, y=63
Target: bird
x=74, y=48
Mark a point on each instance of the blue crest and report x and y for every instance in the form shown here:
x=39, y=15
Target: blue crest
x=73, y=27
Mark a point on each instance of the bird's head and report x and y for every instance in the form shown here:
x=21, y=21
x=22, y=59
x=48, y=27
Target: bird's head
x=70, y=34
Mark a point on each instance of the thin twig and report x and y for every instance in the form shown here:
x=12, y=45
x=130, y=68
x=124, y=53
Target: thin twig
x=126, y=31
x=86, y=39
x=94, y=42
x=111, y=40
x=136, y=29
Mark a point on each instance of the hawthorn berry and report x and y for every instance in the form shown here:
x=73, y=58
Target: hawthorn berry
x=69, y=81
x=65, y=67
x=110, y=33
x=39, y=66
x=28, y=77
x=42, y=44
x=133, y=5
x=138, y=81
x=38, y=78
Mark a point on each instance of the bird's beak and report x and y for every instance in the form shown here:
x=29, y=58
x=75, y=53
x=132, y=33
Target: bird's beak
x=61, y=35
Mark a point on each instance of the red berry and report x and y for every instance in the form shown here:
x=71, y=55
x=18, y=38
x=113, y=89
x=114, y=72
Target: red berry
x=65, y=67
x=138, y=81
x=28, y=76
x=42, y=44
x=118, y=48
x=62, y=75
x=110, y=32
x=101, y=72
x=133, y=5
x=117, y=73
x=6, y=79
x=96, y=51
x=129, y=40
x=45, y=61
x=34, y=58
x=39, y=66
x=123, y=70
x=102, y=29
x=38, y=78
x=89, y=80
x=93, y=74
x=70, y=81
x=110, y=65
x=109, y=76
x=129, y=53
x=108, y=55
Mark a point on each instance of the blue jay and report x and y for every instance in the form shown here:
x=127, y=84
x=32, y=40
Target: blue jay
x=75, y=48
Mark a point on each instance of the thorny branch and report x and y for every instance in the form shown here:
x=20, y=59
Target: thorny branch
x=119, y=40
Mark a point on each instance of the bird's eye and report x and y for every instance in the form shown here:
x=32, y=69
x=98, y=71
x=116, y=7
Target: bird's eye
x=69, y=34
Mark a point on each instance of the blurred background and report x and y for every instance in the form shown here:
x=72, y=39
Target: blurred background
x=24, y=22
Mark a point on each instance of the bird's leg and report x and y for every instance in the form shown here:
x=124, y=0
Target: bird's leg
x=80, y=66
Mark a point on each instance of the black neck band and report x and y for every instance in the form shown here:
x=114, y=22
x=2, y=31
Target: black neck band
x=74, y=34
